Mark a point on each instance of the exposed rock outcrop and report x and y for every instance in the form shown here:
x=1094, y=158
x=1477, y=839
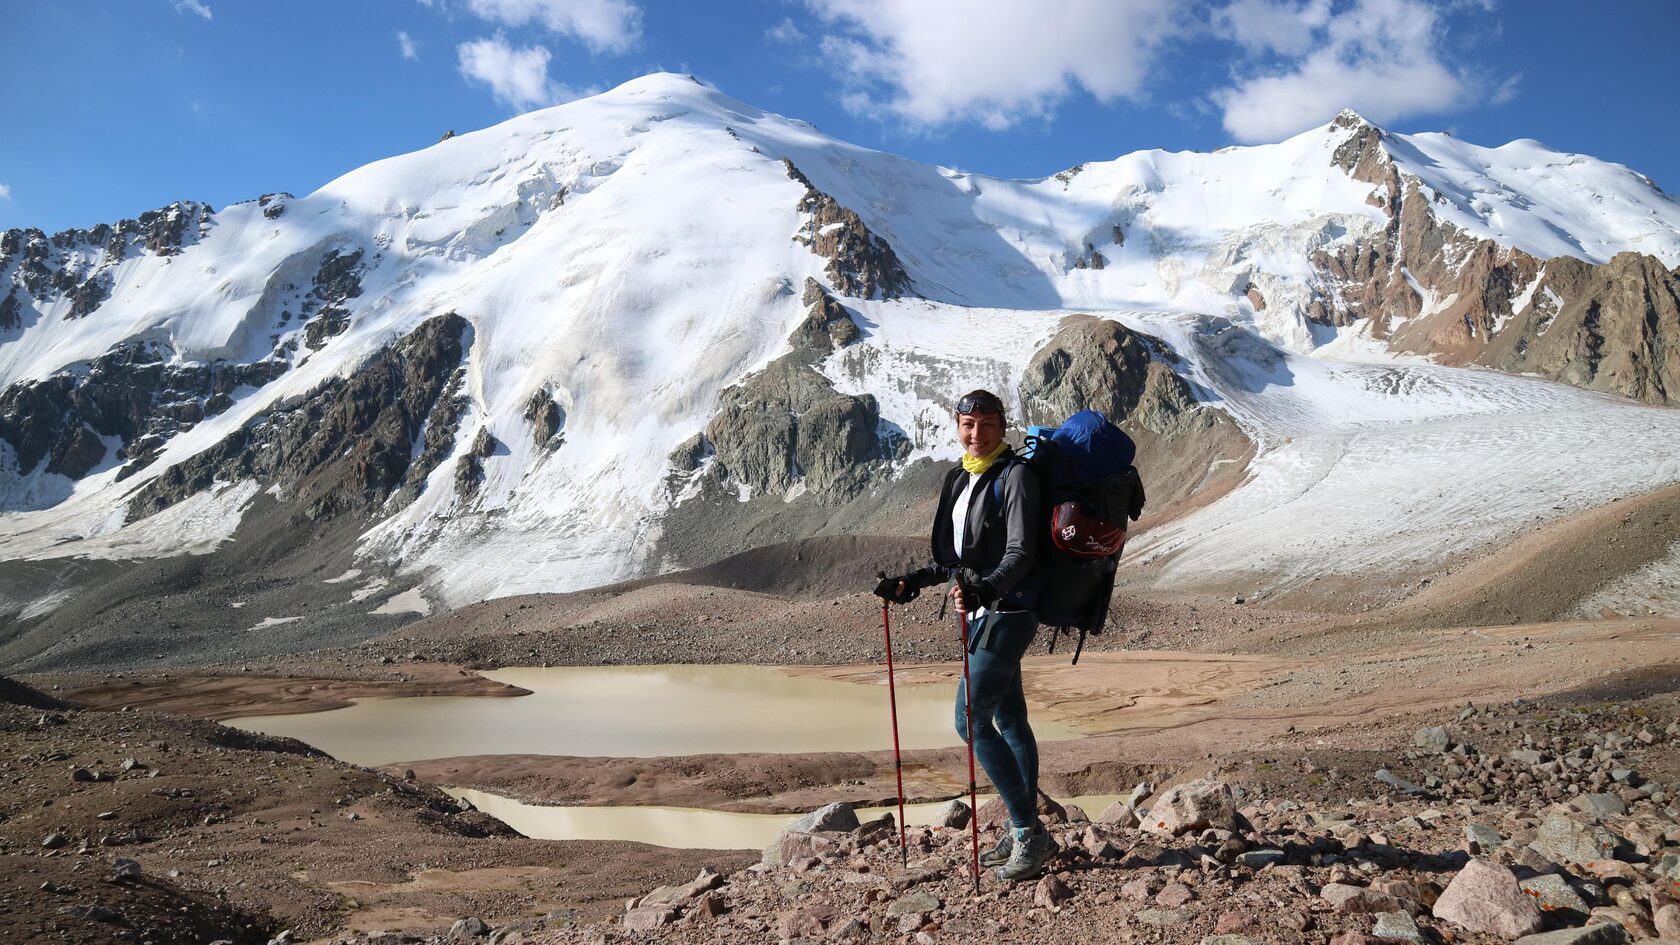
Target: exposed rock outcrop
x=75, y=264
x=860, y=263
x=546, y=419
x=1429, y=287
x=787, y=424
x=336, y=283
x=133, y=393
x=1184, y=446
x=344, y=448
x=469, y=469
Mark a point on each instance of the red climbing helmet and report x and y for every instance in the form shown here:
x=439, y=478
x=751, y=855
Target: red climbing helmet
x=1081, y=535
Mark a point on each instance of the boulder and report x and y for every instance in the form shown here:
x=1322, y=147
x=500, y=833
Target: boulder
x=1118, y=814
x=1604, y=933
x=1565, y=840
x=469, y=928
x=1600, y=805
x=830, y=817
x=1397, y=927
x=794, y=845
x=1434, y=740
x=1667, y=921
x=1349, y=899
x=954, y=814
x=646, y=920
x=675, y=895
x=1552, y=893
x=1485, y=897
x=1198, y=805
x=1260, y=859
x=1174, y=895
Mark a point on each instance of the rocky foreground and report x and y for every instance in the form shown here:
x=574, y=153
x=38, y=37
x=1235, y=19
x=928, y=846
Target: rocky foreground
x=1538, y=824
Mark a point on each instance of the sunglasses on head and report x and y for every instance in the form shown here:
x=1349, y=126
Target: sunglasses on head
x=979, y=403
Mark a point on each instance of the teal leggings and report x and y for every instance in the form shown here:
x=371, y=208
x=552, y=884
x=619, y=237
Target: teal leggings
x=1003, y=741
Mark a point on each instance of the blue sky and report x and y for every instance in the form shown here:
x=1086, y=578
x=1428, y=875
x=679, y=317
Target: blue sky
x=114, y=107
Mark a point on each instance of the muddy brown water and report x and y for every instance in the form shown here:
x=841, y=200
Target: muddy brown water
x=637, y=711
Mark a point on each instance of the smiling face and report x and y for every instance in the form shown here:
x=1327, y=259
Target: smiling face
x=979, y=433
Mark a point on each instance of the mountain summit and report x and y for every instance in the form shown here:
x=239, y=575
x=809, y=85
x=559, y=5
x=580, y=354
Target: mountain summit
x=659, y=325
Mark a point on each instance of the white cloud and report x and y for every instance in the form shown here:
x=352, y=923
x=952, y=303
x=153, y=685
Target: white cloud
x=785, y=32
x=603, y=25
x=406, y=44
x=5, y=192
x=1380, y=57
x=1506, y=91
x=517, y=77
x=1285, y=27
x=996, y=62
x=194, y=7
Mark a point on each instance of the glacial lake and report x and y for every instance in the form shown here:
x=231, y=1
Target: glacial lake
x=637, y=711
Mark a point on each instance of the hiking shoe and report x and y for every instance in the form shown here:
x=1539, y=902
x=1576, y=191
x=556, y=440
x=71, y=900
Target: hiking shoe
x=999, y=855
x=1027, y=859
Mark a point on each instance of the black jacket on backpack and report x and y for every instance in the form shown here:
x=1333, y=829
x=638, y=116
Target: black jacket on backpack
x=1000, y=538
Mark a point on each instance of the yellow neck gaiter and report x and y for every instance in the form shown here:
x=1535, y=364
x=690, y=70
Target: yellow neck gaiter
x=977, y=465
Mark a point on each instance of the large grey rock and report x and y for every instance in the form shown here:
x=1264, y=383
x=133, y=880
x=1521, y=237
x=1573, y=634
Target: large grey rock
x=1553, y=894
x=1603, y=933
x=1349, y=899
x=1600, y=805
x=1482, y=839
x=954, y=813
x=646, y=920
x=1565, y=840
x=914, y=903
x=1260, y=859
x=1398, y=927
x=1485, y=897
x=1398, y=783
x=1434, y=739
x=1197, y=805
x=829, y=817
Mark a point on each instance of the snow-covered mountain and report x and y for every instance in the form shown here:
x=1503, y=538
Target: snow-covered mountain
x=653, y=326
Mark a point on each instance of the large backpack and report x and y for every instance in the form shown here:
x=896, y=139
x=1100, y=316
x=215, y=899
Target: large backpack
x=1090, y=490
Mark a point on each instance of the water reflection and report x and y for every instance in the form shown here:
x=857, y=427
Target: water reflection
x=635, y=711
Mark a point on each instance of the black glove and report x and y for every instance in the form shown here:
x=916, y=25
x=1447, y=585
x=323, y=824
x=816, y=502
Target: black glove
x=977, y=592
x=889, y=588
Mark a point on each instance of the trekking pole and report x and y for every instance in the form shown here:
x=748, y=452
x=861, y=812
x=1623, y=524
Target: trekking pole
x=898, y=758
x=968, y=720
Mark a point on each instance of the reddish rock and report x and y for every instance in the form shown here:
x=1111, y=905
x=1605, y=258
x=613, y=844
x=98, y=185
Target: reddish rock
x=1237, y=923
x=1485, y=897
x=1118, y=814
x=1137, y=889
x=803, y=922
x=1174, y=895
x=1051, y=892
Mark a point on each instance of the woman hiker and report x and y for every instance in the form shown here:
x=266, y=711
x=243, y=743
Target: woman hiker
x=985, y=540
